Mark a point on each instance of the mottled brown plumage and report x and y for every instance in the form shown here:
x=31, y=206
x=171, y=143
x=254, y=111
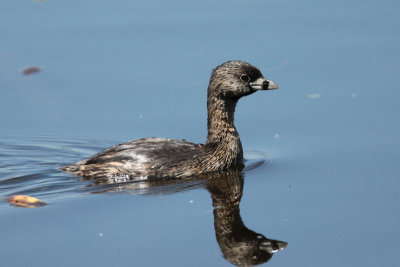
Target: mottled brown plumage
x=161, y=157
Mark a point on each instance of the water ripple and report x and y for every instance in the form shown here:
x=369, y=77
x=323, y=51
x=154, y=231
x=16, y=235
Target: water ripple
x=258, y=161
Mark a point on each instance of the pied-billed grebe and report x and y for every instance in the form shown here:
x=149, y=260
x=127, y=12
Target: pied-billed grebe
x=162, y=157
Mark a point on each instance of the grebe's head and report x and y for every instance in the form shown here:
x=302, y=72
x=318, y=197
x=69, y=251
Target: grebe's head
x=234, y=79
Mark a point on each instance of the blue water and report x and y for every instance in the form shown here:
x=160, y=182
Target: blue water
x=323, y=150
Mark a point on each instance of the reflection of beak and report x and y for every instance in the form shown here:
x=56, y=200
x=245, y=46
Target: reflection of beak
x=272, y=246
x=263, y=84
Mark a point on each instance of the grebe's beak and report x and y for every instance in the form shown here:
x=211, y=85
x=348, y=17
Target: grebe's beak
x=263, y=84
x=272, y=246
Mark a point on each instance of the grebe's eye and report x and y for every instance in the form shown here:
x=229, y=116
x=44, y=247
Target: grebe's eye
x=245, y=77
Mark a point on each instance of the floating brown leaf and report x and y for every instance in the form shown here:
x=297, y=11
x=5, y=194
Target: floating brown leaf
x=25, y=201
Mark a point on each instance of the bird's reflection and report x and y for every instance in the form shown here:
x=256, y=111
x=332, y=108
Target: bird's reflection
x=239, y=245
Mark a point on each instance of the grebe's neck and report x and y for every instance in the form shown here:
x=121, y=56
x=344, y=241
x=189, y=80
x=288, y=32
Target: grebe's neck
x=220, y=121
x=222, y=134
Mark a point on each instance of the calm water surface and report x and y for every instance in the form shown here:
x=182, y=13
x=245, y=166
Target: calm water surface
x=323, y=150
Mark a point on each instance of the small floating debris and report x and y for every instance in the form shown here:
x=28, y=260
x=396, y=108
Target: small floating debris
x=277, y=136
x=30, y=70
x=313, y=96
x=354, y=95
x=25, y=201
